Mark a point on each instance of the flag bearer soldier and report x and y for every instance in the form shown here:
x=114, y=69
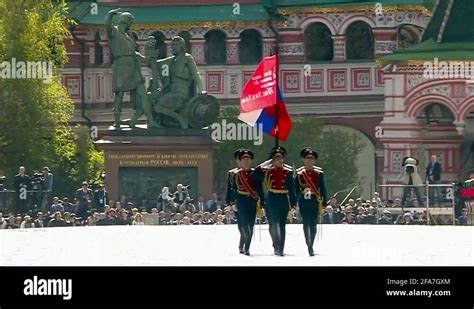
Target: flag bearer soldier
x=247, y=193
x=279, y=183
x=230, y=196
x=311, y=194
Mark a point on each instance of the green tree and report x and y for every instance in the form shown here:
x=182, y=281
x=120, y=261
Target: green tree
x=34, y=114
x=337, y=151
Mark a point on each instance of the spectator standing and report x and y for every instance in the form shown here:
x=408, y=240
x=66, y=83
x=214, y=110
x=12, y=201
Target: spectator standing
x=200, y=206
x=47, y=187
x=84, y=197
x=68, y=207
x=21, y=181
x=376, y=200
x=180, y=196
x=462, y=219
x=433, y=176
x=214, y=204
x=100, y=198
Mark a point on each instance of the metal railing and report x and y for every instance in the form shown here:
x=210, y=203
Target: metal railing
x=427, y=186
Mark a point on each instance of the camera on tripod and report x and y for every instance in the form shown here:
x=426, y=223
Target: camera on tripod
x=37, y=182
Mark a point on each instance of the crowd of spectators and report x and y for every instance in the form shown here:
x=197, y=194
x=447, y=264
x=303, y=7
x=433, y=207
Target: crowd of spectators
x=92, y=207
x=212, y=212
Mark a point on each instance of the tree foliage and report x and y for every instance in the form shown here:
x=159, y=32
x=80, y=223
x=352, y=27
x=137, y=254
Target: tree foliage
x=34, y=115
x=337, y=151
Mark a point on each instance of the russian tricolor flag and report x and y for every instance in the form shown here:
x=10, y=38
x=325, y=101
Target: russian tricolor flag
x=262, y=102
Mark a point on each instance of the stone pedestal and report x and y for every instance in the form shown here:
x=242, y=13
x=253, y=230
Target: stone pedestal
x=138, y=162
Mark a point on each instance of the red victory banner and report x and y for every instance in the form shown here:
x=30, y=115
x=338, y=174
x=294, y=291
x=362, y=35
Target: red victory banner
x=261, y=89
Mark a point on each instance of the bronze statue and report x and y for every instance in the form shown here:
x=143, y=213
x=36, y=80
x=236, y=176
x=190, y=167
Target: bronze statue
x=126, y=71
x=175, y=96
x=179, y=82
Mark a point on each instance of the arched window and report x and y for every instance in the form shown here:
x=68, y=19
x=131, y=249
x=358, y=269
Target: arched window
x=250, y=47
x=160, y=44
x=318, y=43
x=215, y=48
x=359, y=41
x=187, y=39
x=99, y=51
x=436, y=113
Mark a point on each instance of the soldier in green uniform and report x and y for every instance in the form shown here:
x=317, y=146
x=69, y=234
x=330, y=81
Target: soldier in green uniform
x=312, y=194
x=230, y=196
x=248, y=195
x=279, y=183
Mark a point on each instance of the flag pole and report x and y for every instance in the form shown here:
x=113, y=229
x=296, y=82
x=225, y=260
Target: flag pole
x=271, y=14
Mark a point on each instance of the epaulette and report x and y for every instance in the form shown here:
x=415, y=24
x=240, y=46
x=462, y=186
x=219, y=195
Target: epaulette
x=288, y=168
x=318, y=168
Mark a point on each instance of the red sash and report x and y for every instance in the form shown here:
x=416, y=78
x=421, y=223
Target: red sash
x=247, y=187
x=310, y=183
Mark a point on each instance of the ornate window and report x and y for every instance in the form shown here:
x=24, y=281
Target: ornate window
x=215, y=48
x=250, y=47
x=160, y=44
x=359, y=41
x=98, y=50
x=187, y=38
x=318, y=43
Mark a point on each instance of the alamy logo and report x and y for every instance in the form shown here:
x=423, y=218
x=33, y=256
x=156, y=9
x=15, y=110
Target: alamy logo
x=237, y=132
x=449, y=70
x=26, y=70
x=35, y=286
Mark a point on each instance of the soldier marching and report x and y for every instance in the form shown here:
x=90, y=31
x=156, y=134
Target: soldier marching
x=278, y=181
x=311, y=194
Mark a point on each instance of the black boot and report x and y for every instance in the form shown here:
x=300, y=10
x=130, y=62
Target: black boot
x=310, y=251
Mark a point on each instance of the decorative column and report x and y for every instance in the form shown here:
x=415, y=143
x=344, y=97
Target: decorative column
x=291, y=48
x=106, y=51
x=385, y=41
x=233, y=51
x=197, y=50
x=460, y=126
x=339, y=48
x=268, y=46
x=168, y=48
x=91, y=49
